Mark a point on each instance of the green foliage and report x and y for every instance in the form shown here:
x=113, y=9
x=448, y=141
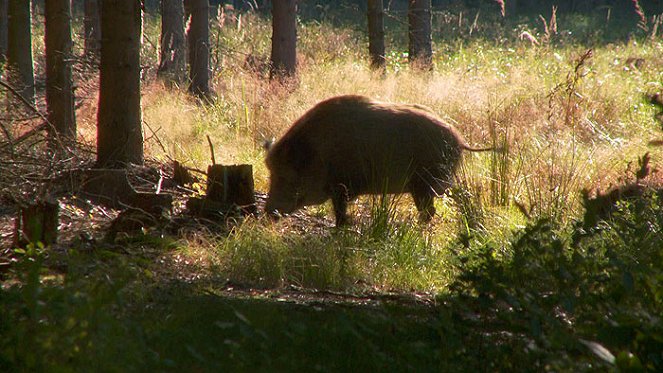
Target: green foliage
x=558, y=293
x=257, y=255
x=212, y=334
x=63, y=326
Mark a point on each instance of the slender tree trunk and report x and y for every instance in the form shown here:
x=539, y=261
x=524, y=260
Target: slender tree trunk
x=173, y=55
x=119, y=130
x=92, y=28
x=19, y=48
x=198, y=39
x=376, y=34
x=59, y=88
x=284, y=39
x=421, y=44
x=510, y=7
x=3, y=33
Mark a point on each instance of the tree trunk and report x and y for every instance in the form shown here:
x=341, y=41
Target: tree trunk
x=198, y=39
x=19, y=49
x=510, y=7
x=3, y=33
x=92, y=28
x=421, y=44
x=284, y=39
x=119, y=130
x=376, y=34
x=59, y=88
x=173, y=65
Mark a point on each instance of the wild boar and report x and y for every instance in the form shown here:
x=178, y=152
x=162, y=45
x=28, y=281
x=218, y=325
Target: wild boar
x=348, y=146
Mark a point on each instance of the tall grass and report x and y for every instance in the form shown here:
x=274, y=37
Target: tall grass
x=561, y=125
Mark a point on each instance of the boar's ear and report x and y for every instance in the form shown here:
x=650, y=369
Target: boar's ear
x=267, y=144
x=299, y=154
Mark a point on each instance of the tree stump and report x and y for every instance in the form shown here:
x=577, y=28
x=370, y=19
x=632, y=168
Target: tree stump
x=232, y=186
x=109, y=187
x=181, y=176
x=36, y=222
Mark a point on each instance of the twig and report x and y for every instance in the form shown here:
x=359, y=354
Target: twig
x=8, y=134
x=25, y=136
x=154, y=135
x=160, y=182
x=211, y=149
x=27, y=103
x=151, y=43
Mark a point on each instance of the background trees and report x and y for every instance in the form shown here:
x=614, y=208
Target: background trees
x=376, y=33
x=198, y=39
x=3, y=32
x=19, y=49
x=119, y=130
x=59, y=89
x=172, y=63
x=284, y=39
x=92, y=28
x=419, y=33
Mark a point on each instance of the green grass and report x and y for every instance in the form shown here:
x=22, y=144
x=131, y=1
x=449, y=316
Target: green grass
x=512, y=280
x=561, y=298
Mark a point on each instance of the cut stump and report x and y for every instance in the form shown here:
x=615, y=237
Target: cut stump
x=36, y=222
x=229, y=193
x=232, y=187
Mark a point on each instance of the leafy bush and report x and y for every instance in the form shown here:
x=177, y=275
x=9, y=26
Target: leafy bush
x=59, y=327
x=551, y=293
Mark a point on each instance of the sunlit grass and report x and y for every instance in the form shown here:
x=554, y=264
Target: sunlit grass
x=562, y=130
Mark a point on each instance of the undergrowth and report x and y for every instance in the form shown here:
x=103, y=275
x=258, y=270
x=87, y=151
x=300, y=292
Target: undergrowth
x=519, y=283
x=554, y=298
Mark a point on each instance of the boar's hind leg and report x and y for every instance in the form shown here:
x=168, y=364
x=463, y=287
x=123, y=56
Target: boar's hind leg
x=423, y=195
x=340, y=198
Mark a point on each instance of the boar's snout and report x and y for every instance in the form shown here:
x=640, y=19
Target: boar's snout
x=276, y=210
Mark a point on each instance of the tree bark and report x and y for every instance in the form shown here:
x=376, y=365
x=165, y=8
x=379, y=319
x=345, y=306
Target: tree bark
x=119, y=130
x=376, y=34
x=37, y=222
x=421, y=44
x=19, y=49
x=173, y=65
x=510, y=7
x=284, y=39
x=59, y=87
x=3, y=33
x=231, y=185
x=92, y=28
x=198, y=39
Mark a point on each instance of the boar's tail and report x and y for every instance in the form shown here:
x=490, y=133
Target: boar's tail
x=471, y=149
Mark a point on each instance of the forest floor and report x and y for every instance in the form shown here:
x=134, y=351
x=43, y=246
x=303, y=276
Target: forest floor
x=521, y=269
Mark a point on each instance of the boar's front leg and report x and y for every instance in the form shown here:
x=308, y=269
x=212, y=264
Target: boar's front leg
x=423, y=196
x=340, y=198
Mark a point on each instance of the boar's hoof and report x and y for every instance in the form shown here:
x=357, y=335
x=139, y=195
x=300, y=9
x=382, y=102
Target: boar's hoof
x=274, y=215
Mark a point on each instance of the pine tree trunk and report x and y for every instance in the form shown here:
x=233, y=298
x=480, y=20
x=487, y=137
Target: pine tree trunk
x=421, y=44
x=511, y=7
x=19, y=49
x=198, y=39
x=92, y=28
x=376, y=34
x=284, y=39
x=59, y=88
x=173, y=65
x=119, y=130
x=3, y=33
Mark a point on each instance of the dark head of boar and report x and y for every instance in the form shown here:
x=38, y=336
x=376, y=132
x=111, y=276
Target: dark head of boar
x=348, y=146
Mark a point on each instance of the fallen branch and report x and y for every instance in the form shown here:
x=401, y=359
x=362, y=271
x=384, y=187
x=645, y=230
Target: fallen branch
x=45, y=125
